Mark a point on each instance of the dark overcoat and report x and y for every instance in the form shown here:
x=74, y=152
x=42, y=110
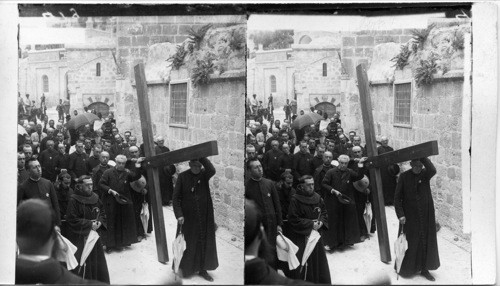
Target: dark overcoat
x=343, y=220
x=121, y=228
x=192, y=200
x=413, y=200
x=389, y=180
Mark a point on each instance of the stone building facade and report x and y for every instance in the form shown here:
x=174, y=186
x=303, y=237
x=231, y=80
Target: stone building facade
x=213, y=111
x=437, y=111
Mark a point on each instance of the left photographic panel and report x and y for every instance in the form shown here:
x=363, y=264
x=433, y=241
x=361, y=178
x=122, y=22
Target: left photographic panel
x=130, y=146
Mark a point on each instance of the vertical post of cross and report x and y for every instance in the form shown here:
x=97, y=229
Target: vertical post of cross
x=375, y=178
x=152, y=173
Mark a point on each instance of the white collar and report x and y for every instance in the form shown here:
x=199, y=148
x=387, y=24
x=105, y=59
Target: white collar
x=32, y=257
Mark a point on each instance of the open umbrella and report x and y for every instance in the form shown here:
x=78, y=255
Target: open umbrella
x=21, y=130
x=312, y=240
x=367, y=215
x=145, y=216
x=178, y=247
x=81, y=119
x=305, y=120
x=66, y=252
x=400, y=247
x=89, y=245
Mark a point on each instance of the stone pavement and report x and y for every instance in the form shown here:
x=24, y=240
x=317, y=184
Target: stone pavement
x=138, y=264
x=361, y=263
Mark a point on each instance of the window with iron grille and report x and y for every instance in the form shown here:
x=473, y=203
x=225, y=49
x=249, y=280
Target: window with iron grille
x=402, y=103
x=45, y=82
x=178, y=103
x=273, y=83
x=325, y=69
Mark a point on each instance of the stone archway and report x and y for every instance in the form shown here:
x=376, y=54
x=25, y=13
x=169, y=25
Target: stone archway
x=305, y=39
x=326, y=107
x=101, y=107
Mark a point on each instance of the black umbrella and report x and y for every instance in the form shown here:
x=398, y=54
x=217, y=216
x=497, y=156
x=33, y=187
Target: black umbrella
x=306, y=120
x=81, y=120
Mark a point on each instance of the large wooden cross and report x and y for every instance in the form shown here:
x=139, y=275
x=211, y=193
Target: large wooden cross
x=375, y=161
x=153, y=162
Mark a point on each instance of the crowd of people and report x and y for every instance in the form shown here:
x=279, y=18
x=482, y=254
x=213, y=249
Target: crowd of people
x=84, y=175
x=313, y=182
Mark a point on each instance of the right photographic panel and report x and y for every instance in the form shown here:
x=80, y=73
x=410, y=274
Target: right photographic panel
x=357, y=163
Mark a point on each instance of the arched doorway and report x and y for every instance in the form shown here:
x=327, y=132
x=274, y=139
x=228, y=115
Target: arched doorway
x=305, y=39
x=101, y=107
x=327, y=107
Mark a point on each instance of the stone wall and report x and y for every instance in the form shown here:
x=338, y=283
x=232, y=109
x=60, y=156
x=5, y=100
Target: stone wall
x=358, y=47
x=215, y=111
x=84, y=86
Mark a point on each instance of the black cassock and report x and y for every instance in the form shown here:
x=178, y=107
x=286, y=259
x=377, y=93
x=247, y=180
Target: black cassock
x=301, y=213
x=165, y=176
x=413, y=200
x=388, y=180
x=192, y=200
x=137, y=200
x=80, y=213
x=121, y=227
x=343, y=220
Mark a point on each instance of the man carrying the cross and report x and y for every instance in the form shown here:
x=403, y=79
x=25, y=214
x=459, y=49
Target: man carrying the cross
x=415, y=210
x=194, y=211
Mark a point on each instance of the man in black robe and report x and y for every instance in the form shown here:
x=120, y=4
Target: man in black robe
x=99, y=170
x=415, y=210
x=286, y=159
x=307, y=213
x=64, y=192
x=39, y=188
x=121, y=229
x=78, y=162
x=343, y=221
x=263, y=192
x=317, y=160
x=302, y=162
x=85, y=213
x=271, y=162
x=165, y=174
x=22, y=174
x=388, y=176
x=320, y=172
x=193, y=208
x=48, y=160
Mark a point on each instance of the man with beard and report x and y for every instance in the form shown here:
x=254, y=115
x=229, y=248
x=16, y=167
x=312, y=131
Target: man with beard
x=48, y=160
x=319, y=173
x=165, y=174
x=22, y=174
x=99, y=170
x=118, y=148
x=271, y=162
x=37, y=187
x=307, y=213
x=85, y=213
x=356, y=141
x=388, y=174
x=138, y=197
x=94, y=160
x=342, y=147
x=302, y=162
x=285, y=193
x=250, y=154
x=263, y=192
x=343, y=221
x=78, y=162
x=194, y=211
x=106, y=146
x=121, y=229
x=64, y=192
x=415, y=210
x=286, y=159
x=87, y=144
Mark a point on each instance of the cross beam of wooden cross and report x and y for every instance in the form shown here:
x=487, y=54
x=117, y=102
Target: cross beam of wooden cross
x=152, y=162
x=376, y=161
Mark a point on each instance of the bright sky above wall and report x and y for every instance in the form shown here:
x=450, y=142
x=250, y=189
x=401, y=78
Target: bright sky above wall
x=338, y=23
